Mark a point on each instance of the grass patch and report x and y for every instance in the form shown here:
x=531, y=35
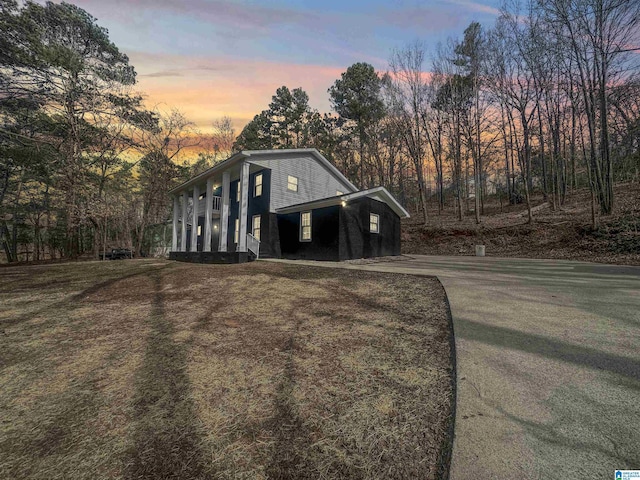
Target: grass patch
x=147, y=369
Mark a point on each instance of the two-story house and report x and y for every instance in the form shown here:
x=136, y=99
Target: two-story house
x=281, y=204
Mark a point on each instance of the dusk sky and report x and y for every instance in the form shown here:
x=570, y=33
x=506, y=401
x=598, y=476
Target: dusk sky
x=210, y=58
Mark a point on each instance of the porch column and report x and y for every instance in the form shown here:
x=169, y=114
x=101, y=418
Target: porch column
x=208, y=211
x=224, y=213
x=244, y=202
x=176, y=219
x=194, y=219
x=183, y=227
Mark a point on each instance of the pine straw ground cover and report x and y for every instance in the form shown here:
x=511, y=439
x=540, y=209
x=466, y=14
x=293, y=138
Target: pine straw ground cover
x=152, y=369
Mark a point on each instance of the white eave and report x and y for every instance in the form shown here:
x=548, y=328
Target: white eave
x=247, y=154
x=220, y=167
x=377, y=193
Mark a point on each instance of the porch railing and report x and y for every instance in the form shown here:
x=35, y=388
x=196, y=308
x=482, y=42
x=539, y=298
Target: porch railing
x=216, y=203
x=253, y=245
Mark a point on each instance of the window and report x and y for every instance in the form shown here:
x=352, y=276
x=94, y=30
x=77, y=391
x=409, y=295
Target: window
x=338, y=193
x=292, y=183
x=374, y=223
x=238, y=193
x=236, y=233
x=199, y=230
x=255, y=230
x=305, y=226
x=257, y=189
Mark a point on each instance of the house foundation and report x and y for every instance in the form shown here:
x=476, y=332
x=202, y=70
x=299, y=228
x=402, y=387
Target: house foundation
x=211, y=257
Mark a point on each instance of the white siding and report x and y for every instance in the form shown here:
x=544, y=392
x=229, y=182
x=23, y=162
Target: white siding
x=314, y=180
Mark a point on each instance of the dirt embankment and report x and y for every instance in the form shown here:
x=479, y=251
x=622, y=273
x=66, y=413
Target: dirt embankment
x=562, y=233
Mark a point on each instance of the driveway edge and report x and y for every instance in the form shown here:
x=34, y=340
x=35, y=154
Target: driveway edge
x=446, y=450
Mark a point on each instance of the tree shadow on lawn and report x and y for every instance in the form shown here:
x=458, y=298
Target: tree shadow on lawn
x=73, y=301
x=292, y=440
x=167, y=438
x=52, y=434
x=289, y=462
x=14, y=330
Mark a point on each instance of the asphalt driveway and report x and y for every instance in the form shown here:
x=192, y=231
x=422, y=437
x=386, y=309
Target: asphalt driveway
x=548, y=365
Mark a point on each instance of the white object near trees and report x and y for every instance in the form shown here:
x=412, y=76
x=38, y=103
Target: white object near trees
x=194, y=219
x=176, y=219
x=244, y=202
x=183, y=228
x=208, y=212
x=224, y=214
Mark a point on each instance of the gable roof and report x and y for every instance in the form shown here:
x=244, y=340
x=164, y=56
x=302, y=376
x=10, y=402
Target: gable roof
x=377, y=193
x=247, y=154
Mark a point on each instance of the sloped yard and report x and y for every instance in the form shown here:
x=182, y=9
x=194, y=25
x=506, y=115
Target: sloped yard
x=151, y=369
x=564, y=233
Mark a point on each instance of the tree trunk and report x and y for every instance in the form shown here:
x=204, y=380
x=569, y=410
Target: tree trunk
x=542, y=158
x=361, y=135
x=6, y=242
x=572, y=151
x=477, y=187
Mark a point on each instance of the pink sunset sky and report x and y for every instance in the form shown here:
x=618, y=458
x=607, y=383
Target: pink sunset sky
x=211, y=58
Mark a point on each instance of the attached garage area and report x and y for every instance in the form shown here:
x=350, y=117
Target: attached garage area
x=348, y=228
x=368, y=228
x=310, y=234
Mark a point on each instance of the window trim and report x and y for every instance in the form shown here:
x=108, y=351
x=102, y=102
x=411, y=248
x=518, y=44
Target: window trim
x=302, y=226
x=236, y=231
x=256, y=184
x=253, y=226
x=377, y=222
x=289, y=183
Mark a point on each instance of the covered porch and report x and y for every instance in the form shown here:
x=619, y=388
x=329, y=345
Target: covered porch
x=201, y=210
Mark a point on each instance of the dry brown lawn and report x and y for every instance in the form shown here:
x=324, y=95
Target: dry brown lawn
x=153, y=369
